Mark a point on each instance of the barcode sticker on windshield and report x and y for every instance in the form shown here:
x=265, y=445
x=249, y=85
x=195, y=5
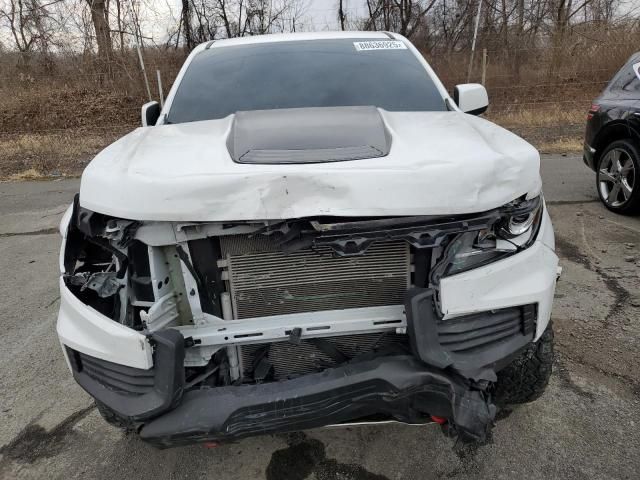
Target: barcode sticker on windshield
x=380, y=45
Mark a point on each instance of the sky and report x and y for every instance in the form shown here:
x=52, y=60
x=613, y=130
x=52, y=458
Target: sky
x=324, y=13
x=320, y=14
x=158, y=17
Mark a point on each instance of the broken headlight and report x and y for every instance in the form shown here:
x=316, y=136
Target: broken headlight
x=96, y=259
x=515, y=231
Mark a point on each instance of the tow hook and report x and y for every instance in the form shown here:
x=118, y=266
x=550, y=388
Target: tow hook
x=439, y=420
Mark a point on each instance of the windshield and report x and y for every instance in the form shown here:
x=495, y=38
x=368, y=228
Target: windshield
x=315, y=73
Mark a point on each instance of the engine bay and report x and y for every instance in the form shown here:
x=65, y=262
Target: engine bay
x=270, y=300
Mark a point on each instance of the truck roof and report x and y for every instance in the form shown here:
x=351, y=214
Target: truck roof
x=288, y=37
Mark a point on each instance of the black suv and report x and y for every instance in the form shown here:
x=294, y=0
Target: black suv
x=612, y=140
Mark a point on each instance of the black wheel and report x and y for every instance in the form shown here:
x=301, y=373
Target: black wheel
x=617, y=177
x=526, y=378
x=112, y=418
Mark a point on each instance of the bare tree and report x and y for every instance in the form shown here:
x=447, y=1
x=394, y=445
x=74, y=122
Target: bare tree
x=100, y=20
x=341, y=15
x=185, y=18
x=29, y=24
x=562, y=13
x=204, y=20
x=402, y=16
x=120, y=23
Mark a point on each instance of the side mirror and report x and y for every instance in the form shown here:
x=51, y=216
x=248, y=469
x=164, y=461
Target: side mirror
x=471, y=98
x=150, y=114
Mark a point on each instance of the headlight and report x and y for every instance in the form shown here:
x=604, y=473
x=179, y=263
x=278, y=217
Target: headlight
x=515, y=231
x=520, y=217
x=468, y=251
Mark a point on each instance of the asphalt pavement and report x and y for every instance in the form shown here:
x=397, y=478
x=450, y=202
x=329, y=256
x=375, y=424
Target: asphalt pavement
x=585, y=426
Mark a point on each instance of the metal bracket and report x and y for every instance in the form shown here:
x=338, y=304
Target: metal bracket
x=161, y=314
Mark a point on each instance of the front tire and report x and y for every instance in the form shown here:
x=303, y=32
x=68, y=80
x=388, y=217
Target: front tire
x=526, y=378
x=618, y=177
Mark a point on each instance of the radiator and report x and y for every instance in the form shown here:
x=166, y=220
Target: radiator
x=264, y=281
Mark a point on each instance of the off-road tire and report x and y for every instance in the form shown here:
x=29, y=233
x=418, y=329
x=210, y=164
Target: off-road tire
x=526, y=378
x=112, y=418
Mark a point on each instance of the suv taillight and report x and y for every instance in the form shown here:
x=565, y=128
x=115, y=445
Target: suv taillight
x=593, y=109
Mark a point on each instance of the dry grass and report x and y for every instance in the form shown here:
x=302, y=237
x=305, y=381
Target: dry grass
x=30, y=174
x=31, y=156
x=42, y=144
x=43, y=108
x=555, y=129
x=535, y=116
x=561, y=145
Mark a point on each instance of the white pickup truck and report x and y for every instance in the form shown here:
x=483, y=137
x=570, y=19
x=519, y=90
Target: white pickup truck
x=310, y=231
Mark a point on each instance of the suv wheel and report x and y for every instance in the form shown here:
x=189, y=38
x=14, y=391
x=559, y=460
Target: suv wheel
x=526, y=378
x=617, y=177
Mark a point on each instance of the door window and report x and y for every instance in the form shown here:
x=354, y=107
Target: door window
x=627, y=81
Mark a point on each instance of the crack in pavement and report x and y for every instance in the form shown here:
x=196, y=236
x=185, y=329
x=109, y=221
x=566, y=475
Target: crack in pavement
x=54, y=214
x=628, y=381
x=563, y=374
x=44, y=231
x=622, y=225
x=620, y=294
x=52, y=302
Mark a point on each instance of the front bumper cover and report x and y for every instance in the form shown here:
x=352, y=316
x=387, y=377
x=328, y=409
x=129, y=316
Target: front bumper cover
x=448, y=375
x=399, y=386
x=135, y=394
x=476, y=345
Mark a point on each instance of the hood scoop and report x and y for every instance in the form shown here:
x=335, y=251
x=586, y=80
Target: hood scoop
x=308, y=135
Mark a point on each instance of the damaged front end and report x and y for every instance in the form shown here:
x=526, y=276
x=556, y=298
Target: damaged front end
x=272, y=326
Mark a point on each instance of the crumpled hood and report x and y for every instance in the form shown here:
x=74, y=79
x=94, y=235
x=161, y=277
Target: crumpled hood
x=439, y=163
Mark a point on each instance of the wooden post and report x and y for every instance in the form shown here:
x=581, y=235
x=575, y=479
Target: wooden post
x=473, y=43
x=138, y=41
x=160, y=89
x=144, y=71
x=484, y=67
